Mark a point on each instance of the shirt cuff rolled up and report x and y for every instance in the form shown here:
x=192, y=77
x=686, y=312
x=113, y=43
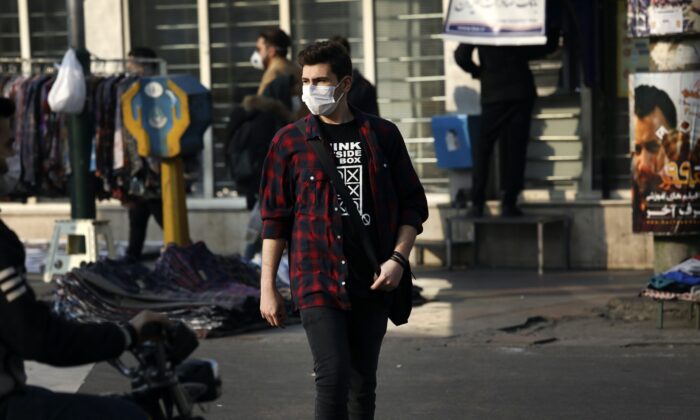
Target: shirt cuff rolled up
x=411, y=218
x=276, y=229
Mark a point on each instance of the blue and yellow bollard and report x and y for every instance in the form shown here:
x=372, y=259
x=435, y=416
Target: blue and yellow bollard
x=167, y=115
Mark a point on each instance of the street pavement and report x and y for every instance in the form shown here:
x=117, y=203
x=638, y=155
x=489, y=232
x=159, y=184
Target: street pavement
x=488, y=344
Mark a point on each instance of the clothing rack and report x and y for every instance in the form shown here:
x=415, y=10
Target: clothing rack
x=27, y=66
x=98, y=66
x=42, y=163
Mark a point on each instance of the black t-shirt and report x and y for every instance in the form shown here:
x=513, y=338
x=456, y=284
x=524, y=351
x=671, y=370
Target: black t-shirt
x=352, y=161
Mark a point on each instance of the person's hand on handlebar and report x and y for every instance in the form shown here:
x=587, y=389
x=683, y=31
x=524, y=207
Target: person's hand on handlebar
x=144, y=318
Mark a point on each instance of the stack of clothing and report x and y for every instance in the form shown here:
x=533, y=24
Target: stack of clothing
x=214, y=295
x=682, y=279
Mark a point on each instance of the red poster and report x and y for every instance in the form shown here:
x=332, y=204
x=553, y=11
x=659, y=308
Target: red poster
x=665, y=137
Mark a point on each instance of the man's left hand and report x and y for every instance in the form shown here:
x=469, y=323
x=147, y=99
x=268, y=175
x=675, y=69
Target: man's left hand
x=389, y=277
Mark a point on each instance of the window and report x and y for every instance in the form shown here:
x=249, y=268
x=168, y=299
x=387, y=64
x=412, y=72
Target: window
x=411, y=77
x=170, y=28
x=9, y=29
x=318, y=20
x=234, y=27
x=49, y=28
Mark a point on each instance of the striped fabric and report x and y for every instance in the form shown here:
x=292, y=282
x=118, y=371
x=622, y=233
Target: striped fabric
x=12, y=284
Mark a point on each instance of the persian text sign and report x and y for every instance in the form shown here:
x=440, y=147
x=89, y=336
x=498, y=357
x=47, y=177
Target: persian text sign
x=496, y=22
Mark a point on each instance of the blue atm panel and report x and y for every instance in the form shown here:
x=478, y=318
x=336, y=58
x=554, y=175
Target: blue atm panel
x=453, y=134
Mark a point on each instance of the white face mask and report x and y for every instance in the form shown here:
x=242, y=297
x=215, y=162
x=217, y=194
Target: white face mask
x=257, y=61
x=320, y=99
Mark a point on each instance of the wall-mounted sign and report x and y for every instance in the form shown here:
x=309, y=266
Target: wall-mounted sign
x=665, y=140
x=496, y=22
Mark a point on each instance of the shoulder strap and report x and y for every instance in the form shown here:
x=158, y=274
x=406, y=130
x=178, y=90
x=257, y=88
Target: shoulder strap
x=341, y=189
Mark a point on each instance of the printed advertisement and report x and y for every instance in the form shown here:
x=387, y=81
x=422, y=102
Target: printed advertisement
x=663, y=17
x=665, y=134
x=632, y=53
x=496, y=22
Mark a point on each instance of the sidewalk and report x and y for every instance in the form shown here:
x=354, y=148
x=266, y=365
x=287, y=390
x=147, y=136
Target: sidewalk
x=470, y=353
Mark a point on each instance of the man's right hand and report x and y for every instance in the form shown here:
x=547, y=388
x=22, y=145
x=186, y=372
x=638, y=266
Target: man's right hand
x=272, y=307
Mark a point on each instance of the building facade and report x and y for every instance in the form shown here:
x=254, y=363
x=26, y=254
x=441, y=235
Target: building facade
x=578, y=162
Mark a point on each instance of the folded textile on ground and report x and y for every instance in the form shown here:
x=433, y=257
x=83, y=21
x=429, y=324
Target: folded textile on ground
x=215, y=295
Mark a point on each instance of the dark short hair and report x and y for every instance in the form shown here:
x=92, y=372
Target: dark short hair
x=277, y=38
x=145, y=53
x=326, y=52
x=7, y=107
x=339, y=39
x=142, y=52
x=646, y=98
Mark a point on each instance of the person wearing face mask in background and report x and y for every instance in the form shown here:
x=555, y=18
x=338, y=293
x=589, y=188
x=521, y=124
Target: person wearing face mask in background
x=343, y=303
x=270, y=55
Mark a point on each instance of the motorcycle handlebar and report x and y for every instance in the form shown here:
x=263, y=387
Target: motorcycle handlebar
x=178, y=339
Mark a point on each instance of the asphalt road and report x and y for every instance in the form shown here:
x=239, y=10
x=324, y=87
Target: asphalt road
x=269, y=376
x=455, y=363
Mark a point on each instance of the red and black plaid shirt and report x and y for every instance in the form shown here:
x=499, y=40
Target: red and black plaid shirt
x=298, y=204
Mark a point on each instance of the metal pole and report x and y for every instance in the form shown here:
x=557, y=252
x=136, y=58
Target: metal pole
x=175, y=225
x=205, y=79
x=81, y=185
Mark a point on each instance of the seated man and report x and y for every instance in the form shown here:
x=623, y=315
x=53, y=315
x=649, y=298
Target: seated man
x=30, y=331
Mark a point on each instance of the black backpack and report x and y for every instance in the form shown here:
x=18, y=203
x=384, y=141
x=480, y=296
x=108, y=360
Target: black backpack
x=239, y=159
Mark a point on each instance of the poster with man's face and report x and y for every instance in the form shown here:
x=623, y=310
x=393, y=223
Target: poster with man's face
x=665, y=141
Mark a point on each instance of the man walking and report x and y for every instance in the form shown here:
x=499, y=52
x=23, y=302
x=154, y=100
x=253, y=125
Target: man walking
x=343, y=303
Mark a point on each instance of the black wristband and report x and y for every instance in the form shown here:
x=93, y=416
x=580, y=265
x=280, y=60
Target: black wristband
x=398, y=260
x=400, y=256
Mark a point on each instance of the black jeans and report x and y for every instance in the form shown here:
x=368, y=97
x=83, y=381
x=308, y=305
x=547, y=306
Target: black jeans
x=345, y=346
x=508, y=122
x=35, y=403
x=138, y=223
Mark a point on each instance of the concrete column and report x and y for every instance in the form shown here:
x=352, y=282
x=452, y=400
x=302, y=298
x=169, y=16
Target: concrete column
x=677, y=55
x=104, y=33
x=369, y=41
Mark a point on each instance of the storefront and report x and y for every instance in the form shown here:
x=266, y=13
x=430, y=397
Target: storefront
x=575, y=164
